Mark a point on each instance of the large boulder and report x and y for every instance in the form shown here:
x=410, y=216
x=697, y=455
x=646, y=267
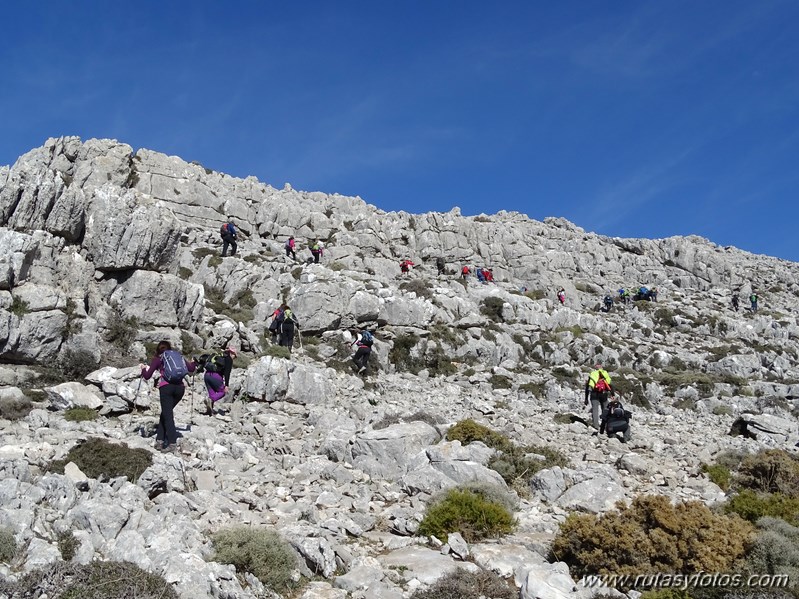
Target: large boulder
x=272, y=379
x=388, y=452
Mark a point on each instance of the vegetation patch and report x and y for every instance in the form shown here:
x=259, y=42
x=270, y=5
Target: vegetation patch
x=19, y=307
x=468, y=431
x=775, y=551
x=718, y=474
x=8, y=545
x=499, y=381
x=75, y=364
x=751, y=505
x=67, y=545
x=387, y=421
x=519, y=463
x=468, y=512
x=73, y=325
x=13, y=408
x=652, y=535
x=259, y=551
x=278, y=351
x=98, y=458
x=536, y=389
x=770, y=471
x=492, y=308
x=80, y=414
x=536, y=294
x=121, y=330
x=462, y=584
x=421, y=287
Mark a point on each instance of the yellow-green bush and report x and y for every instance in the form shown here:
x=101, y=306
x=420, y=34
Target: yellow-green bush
x=8, y=545
x=259, y=551
x=462, y=584
x=652, y=535
x=468, y=512
x=752, y=506
x=467, y=431
x=770, y=471
x=518, y=464
x=98, y=458
x=719, y=474
x=80, y=414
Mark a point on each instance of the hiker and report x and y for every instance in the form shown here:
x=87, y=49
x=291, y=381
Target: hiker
x=289, y=245
x=172, y=368
x=608, y=302
x=615, y=419
x=441, y=265
x=562, y=296
x=465, y=272
x=229, y=235
x=481, y=276
x=406, y=265
x=753, y=301
x=628, y=296
x=653, y=294
x=489, y=275
x=288, y=322
x=735, y=301
x=217, y=376
x=597, y=387
x=364, y=345
x=275, y=324
x=316, y=251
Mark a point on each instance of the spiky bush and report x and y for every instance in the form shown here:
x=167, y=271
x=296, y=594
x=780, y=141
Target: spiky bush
x=467, y=511
x=652, y=535
x=80, y=414
x=67, y=545
x=770, y=471
x=752, y=506
x=775, y=550
x=260, y=552
x=278, y=351
x=13, y=408
x=719, y=474
x=468, y=431
x=492, y=308
x=98, y=458
x=462, y=584
x=8, y=545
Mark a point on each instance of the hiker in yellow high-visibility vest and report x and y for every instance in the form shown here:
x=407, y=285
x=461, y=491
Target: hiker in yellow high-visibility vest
x=598, y=389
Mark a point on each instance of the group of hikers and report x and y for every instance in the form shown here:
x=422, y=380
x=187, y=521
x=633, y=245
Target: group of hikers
x=736, y=301
x=484, y=275
x=230, y=234
x=607, y=413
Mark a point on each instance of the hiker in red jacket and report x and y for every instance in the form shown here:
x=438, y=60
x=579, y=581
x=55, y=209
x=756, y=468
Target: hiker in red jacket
x=406, y=265
x=465, y=272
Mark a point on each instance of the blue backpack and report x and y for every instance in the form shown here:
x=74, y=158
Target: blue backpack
x=175, y=369
x=367, y=339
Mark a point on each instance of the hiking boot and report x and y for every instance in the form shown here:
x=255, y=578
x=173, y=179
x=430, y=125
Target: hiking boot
x=209, y=406
x=362, y=369
x=169, y=449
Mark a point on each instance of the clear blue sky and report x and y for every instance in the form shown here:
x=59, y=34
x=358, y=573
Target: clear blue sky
x=629, y=118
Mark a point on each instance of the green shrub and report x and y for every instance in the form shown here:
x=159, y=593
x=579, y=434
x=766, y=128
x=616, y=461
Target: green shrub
x=75, y=364
x=96, y=580
x=67, y=545
x=336, y=266
x=278, y=351
x=466, y=512
x=185, y=273
x=260, y=552
x=420, y=287
x=719, y=474
x=518, y=464
x=214, y=261
x=19, y=306
x=492, y=308
x=775, y=550
x=499, y=381
x=536, y=294
x=752, y=506
x=387, y=421
x=99, y=458
x=121, y=330
x=400, y=354
x=722, y=410
x=652, y=535
x=8, y=545
x=73, y=325
x=80, y=414
x=537, y=389
x=12, y=408
x=441, y=333
x=462, y=584
x=467, y=431
x=770, y=471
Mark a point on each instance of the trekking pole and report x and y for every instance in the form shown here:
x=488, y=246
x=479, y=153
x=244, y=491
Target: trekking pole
x=191, y=400
x=300, y=332
x=136, y=396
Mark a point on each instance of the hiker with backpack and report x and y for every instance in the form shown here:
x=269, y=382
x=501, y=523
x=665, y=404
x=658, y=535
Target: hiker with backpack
x=364, y=344
x=289, y=245
x=274, y=326
x=608, y=301
x=489, y=275
x=217, y=369
x=481, y=276
x=287, y=323
x=229, y=235
x=465, y=272
x=406, y=265
x=316, y=251
x=441, y=265
x=735, y=301
x=562, y=296
x=597, y=388
x=753, y=301
x=615, y=419
x=173, y=368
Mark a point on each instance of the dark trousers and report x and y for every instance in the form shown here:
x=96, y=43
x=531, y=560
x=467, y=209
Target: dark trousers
x=227, y=368
x=170, y=395
x=287, y=338
x=229, y=241
x=290, y=251
x=361, y=357
x=316, y=256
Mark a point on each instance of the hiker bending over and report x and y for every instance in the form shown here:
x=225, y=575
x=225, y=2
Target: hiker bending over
x=441, y=265
x=480, y=275
x=615, y=419
x=562, y=296
x=289, y=245
x=489, y=275
x=316, y=251
x=287, y=323
x=364, y=345
x=406, y=265
x=274, y=326
x=229, y=235
x=172, y=368
x=597, y=388
x=217, y=369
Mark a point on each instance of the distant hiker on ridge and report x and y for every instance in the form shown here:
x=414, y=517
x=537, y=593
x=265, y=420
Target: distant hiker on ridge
x=441, y=265
x=289, y=245
x=287, y=323
x=465, y=272
x=753, y=301
x=489, y=275
x=275, y=324
x=597, y=387
x=562, y=296
x=736, y=300
x=317, y=250
x=608, y=301
x=406, y=265
x=229, y=234
x=364, y=345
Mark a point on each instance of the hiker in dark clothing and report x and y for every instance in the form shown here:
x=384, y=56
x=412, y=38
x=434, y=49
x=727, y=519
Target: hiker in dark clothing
x=169, y=395
x=736, y=300
x=364, y=344
x=480, y=275
x=441, y=265
x=608, y=303
x=217, y=376
x=288, y=323
x=615, y=419
x=274, y=326
x=290, y=248
x=598, y=388
x=229, y=236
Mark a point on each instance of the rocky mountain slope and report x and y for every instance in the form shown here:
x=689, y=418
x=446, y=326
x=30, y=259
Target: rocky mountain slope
x=105, y=251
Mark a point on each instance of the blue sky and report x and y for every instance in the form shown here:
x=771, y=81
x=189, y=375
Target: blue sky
x=629, y=118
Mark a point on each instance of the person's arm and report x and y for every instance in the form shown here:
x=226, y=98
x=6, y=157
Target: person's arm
x=587, y=391
x=155, y=365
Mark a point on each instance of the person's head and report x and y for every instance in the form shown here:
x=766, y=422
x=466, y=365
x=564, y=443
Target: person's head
x=162, y=347
x=232, y=351
x=230, y=219
x=292, y=237
x=597, y=366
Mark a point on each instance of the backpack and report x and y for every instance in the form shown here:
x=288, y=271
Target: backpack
x=601, y=385
x=213, y=363
x=367, y=339
x=174, y=365
x=226, y=229
x=287, y=314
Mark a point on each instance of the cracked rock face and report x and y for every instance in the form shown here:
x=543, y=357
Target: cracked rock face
x=106, y=251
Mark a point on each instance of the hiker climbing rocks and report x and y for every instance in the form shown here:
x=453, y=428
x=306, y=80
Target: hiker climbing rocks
x=465, y=272
x=275, y=324
x=753, y=301
x=317, y=250
x=598, y=388
x=562, y=296
x=653, y=294
x=441, y=265
x=287, y=324
x=289, y=245
x=173, y=368
x=364, y=343
x=229, y=236
x=608, y=301
x=489, y=275
x=736, y=300
x=481, y=276
x=406, y=265
x=615, y=419
x=217, y=375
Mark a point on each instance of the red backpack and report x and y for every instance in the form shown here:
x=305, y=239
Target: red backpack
x=601, y=385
